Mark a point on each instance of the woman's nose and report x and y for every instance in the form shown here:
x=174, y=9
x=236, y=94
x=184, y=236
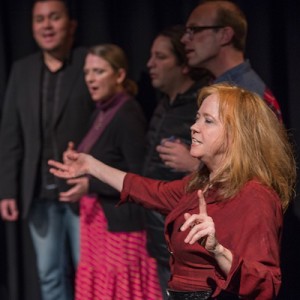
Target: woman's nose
x=89, y=78
x=195, y=127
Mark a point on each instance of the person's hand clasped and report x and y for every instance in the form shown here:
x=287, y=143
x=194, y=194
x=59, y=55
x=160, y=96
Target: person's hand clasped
x=79, y=188
x=176, y=155
x=202, y=227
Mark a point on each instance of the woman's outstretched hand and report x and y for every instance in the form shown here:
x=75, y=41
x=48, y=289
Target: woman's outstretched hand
x=77, y=165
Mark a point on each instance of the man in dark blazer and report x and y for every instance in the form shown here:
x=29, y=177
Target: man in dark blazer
x=46, y=105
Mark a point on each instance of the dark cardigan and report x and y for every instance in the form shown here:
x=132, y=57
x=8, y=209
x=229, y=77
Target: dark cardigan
x=121, y=145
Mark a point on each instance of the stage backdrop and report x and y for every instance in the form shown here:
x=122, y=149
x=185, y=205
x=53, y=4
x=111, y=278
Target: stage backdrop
x=273, y=48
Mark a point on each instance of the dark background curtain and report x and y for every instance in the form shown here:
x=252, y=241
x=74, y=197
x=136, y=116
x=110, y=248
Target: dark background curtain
x=273, y=48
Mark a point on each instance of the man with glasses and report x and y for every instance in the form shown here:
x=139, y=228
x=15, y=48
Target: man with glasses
x=214, y=39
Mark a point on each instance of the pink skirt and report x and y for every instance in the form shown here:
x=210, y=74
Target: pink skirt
x=113, y=265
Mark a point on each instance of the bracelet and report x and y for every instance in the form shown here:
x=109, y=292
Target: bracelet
x=218, y=250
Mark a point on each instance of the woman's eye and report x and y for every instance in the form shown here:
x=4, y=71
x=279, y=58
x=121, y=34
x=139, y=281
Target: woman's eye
x=99, y=71
x=208, y=121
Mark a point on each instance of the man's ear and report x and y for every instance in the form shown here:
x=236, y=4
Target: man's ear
x=73, y=26
x=121, y=75
x=226, y=34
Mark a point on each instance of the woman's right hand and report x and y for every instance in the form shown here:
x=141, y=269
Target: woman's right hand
x=77, y=164
x=80, y=164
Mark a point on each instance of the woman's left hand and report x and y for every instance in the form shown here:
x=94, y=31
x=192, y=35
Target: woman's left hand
x=79, y=188
x=202, y=227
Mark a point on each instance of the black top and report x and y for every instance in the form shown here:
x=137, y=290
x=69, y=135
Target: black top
x=169, y=120
x=122, y=146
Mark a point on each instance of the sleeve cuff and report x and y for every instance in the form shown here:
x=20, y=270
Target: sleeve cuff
x=224, y=283
x=127, y=184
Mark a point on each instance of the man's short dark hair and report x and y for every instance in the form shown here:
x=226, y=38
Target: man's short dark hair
x=69, y=4
x=175, y=33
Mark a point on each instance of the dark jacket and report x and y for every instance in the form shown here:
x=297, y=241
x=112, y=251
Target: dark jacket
x=20, y=131
x=169, y=120
x=122, y=146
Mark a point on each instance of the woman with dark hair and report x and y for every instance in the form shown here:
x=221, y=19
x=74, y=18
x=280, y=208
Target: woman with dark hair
x=114, y=263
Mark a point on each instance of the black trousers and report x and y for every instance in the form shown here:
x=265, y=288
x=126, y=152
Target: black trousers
x=198, y=295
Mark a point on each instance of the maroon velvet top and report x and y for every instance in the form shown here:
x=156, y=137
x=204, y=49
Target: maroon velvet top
x=249, y=225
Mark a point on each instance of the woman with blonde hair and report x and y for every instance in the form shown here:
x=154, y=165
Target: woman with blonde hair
x=114, y=263
x=224, y=222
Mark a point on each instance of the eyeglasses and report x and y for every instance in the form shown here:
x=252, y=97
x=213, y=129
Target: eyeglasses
x=191, y=30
